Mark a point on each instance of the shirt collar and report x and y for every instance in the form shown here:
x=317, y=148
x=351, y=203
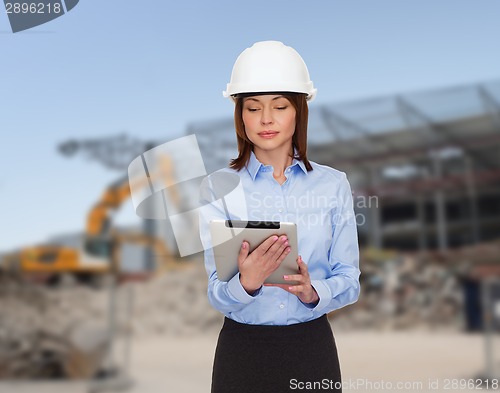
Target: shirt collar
x=254, y=165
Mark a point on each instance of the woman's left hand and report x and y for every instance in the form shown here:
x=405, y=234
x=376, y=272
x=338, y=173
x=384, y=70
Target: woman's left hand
x=303, y=289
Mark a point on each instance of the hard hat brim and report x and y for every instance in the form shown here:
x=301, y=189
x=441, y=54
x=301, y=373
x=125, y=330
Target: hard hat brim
x=233, y=96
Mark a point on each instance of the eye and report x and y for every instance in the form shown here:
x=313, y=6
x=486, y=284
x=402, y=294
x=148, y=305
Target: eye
x=281, y=108
x=252, y=109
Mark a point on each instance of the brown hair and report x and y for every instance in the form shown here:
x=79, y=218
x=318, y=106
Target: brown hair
x=299, y=139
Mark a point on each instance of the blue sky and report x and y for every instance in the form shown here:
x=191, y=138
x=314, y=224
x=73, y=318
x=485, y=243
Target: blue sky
x=150, y=68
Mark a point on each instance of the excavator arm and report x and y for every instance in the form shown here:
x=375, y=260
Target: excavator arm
x=100, y=240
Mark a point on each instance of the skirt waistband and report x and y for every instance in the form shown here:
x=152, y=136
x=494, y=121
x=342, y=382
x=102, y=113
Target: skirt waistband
x=278, y=330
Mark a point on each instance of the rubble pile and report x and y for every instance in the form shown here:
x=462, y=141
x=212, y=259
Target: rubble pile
x=174, y=303
x=406, y=293
x=63, y=332
x=68, y=330
x=41, y=330
x=400, y=293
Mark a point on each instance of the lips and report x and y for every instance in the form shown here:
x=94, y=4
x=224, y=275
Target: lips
x=268, y=134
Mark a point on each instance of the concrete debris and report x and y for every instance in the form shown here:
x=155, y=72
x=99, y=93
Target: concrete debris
x=63, y=332
x=41, y=331
x=406, y=293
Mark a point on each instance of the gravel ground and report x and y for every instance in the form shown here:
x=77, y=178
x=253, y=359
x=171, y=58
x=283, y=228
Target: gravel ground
x=370, y=361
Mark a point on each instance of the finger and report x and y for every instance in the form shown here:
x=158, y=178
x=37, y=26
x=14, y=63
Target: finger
x=273, y=250
x=302, y=266
x=283, y=242
x=282, y=253
x=266, y=244
x=285, y=287
x=295, y=277
x=296, y=288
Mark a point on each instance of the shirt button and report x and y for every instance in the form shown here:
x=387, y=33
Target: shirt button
x=282, y=306
x=280, y=210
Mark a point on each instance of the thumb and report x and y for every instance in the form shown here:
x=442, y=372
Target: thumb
x=302, y=265
x=243, y=252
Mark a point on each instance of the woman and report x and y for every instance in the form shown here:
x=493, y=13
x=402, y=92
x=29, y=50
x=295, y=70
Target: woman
x=276, y=337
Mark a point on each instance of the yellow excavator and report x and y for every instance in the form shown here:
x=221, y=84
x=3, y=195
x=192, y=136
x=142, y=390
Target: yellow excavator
x=98, y=254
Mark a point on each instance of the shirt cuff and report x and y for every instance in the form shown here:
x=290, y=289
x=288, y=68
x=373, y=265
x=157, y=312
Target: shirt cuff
x=237, y=291
x=325, y=296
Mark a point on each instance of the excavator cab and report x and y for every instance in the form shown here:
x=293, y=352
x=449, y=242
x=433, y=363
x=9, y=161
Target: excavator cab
x=99, y=246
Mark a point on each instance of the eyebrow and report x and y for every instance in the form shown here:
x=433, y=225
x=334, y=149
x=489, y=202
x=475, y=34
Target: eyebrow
x=255, y=99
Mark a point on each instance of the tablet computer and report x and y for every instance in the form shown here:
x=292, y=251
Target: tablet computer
x=228, y=235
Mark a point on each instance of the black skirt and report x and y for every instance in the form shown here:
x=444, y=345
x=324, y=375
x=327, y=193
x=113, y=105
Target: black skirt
x=274, y=359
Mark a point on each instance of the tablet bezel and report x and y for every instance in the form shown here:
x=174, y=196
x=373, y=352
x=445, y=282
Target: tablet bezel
x=231, y=233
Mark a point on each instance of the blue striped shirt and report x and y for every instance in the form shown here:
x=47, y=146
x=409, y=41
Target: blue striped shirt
x=320, y=203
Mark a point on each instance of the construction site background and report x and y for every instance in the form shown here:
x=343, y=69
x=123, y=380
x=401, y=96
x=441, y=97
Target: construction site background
x=429, y=257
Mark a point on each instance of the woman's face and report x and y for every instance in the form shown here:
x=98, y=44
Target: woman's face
x=269, y=122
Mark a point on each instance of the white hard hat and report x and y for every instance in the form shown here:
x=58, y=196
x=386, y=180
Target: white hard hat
x=270, y=66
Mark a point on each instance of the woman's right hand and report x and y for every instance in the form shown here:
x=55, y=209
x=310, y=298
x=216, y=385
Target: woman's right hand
x=261, y=262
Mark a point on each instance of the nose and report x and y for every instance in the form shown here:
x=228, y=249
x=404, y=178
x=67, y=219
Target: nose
x=266, y=117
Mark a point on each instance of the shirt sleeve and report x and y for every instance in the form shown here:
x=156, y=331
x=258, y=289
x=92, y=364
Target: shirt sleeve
x=230, y=296
x=342, y=287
